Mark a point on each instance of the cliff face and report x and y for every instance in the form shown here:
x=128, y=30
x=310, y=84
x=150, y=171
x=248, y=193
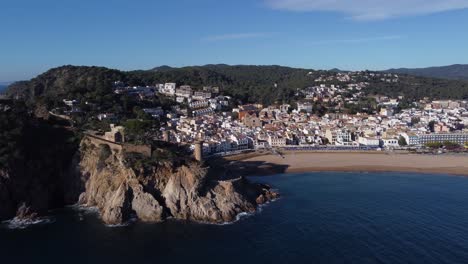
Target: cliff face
x=36, y=163
x=33, y=189
x=152, y=195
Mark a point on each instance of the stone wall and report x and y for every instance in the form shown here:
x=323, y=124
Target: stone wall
x=98, y=141
x=145, y=150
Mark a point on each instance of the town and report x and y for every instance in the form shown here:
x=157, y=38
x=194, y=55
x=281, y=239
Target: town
x=333, y=114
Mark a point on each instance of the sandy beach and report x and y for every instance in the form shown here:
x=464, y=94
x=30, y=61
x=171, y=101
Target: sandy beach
x=370, y=162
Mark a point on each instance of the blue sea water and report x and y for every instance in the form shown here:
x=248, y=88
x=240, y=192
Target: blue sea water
x=3, y=88
x=321, y=218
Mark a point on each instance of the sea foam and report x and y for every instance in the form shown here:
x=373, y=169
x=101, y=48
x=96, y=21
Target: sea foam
x=17, y=223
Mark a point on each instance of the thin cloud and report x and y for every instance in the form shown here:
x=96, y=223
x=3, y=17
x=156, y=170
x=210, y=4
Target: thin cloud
x=235, y=36
x=370, y=10
x=356, y=40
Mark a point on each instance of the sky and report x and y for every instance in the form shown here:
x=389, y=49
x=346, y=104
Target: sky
x=317, y=34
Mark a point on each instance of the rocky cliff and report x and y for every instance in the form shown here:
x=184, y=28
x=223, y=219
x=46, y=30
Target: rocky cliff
x=152, y=194
x=37, y=164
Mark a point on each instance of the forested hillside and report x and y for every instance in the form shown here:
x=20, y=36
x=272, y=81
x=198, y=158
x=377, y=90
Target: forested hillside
x=455, y=72
x=266, y=84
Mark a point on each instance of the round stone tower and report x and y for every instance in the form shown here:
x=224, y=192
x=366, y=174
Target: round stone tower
x=198, y=152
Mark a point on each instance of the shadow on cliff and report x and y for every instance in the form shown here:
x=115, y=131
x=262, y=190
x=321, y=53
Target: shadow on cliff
x=222, y=169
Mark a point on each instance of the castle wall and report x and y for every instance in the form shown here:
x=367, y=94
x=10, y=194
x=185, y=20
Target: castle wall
x=145, y=150
x=98, y=141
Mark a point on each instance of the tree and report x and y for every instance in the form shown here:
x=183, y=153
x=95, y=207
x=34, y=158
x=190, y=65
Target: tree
x=235, y=116
x=434, y=145
x=402, y=141
x=451, y=145
x=432, y=125
x=415, y=120
x=140, y=114
x=135, y=129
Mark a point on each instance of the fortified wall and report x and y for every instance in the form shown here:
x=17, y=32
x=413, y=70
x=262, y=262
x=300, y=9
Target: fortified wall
x=114, y=140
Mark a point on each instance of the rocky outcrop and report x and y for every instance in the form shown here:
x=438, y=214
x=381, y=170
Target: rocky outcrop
x=107, y=180
x=153, y=194
x=28, y=192
x=37, y=164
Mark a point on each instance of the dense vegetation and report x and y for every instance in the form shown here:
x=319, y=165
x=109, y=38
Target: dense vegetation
x=30, y=143
x=414, y=88
x=456, y=72
x=35, y=163
x=265, y=84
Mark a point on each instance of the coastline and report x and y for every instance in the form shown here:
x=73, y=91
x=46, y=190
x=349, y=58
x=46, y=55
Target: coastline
x=299, y=162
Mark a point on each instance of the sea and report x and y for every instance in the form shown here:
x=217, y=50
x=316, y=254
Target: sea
x=3, y=88
x=320, y=218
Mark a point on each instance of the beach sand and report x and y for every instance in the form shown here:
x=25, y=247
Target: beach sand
x=370, y=162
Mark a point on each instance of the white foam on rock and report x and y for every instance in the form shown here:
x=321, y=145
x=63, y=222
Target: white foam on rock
x=129, y=222
x=244, y=215
x=17, y=223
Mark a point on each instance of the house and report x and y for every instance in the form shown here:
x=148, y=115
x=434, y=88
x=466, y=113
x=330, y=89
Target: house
x=275, y=141
x=260, y=144
x=241, y=141
x=386, y=111
x=107, y=116
x=169, y=88
x=306, y=106
x=184, y=91
x=251, y=120
x=440, y=127
x=199, y=104
x=154, y=112
x=201, y=95
x=70, y=102
x=341, y=137
x=411, y=139
x=369, y=141
x=203, y=111
x=389, y=142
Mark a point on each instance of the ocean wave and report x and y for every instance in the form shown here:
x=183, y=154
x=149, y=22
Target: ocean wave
x=129, y=222
x=88, y=210
x=17, y=223
x=82, y=211
x=244, y=215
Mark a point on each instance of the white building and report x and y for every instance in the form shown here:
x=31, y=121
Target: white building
x=306, y=106
x=203, y=111
x=458, y=138
x=169, y=88
x=389, y=142
x=275, y=141
x=154, y=112
x=340, y=137
x=369, y=141
x=199, y=104
x=184, y=91
x=201, y=95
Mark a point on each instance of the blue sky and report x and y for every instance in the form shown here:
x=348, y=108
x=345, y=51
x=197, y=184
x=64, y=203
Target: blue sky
x=318, y=34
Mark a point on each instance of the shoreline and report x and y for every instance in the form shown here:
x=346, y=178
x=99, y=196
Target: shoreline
x=301, y=162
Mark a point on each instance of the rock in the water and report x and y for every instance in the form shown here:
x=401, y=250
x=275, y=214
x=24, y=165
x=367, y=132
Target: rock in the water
x=25, y=213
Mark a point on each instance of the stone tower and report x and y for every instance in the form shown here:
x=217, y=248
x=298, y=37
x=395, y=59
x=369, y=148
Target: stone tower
x=198, y=152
